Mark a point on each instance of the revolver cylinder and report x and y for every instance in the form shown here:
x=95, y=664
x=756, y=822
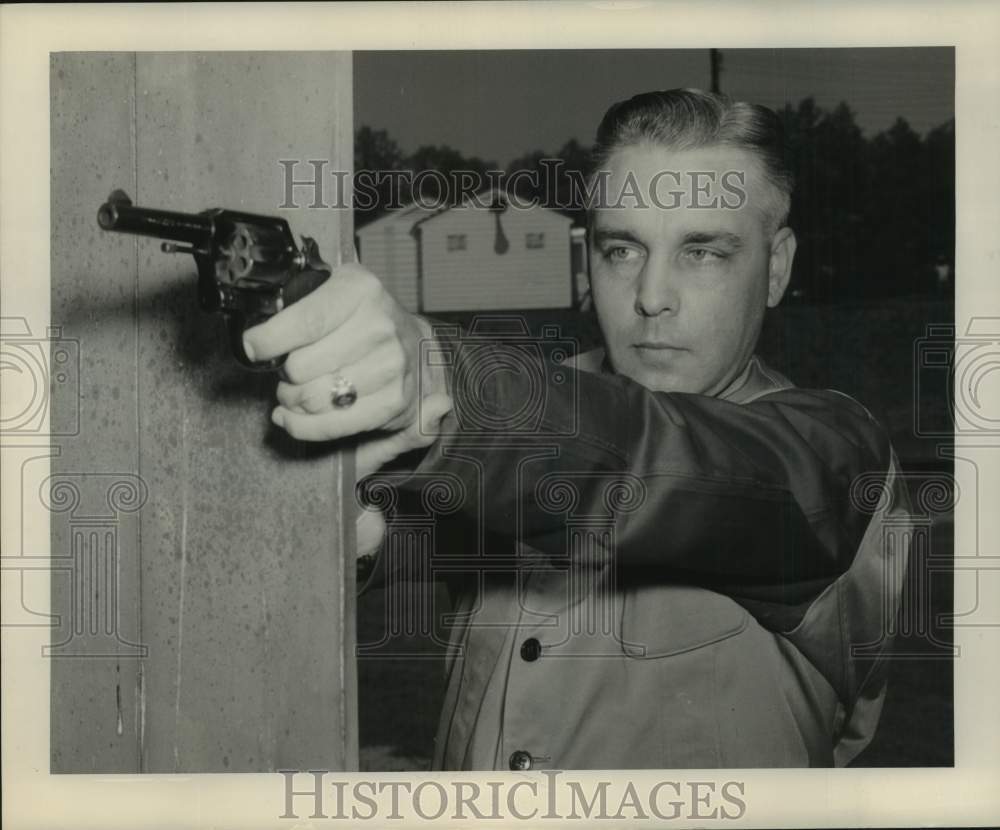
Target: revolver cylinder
x=249, y=267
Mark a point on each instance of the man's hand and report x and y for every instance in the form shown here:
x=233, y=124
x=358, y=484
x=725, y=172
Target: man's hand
x=370, y=531
x=349, y=327
x=375, y=452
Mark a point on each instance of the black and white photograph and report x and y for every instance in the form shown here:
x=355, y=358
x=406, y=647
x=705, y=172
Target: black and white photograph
x=594, y=432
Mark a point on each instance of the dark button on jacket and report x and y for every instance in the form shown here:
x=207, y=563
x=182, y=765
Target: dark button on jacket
x=531, y=650
x=520, y=759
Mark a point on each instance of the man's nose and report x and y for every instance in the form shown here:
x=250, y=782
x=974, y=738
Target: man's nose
x=657, y=290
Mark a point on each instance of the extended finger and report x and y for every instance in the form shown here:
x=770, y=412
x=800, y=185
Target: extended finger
x=368, y=413
x=374, y=370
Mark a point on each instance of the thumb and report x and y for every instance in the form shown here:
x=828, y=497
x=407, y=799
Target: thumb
x=432, y=409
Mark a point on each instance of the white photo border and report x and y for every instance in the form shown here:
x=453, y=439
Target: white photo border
x=962, y=796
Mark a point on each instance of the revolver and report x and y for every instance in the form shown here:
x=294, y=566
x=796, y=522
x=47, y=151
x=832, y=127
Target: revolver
x=249, y=267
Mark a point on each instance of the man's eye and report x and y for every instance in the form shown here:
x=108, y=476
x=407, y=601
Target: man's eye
x=704, y=255
x=620, y=253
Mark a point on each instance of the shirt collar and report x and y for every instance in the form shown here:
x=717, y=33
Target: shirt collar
x=756, y=379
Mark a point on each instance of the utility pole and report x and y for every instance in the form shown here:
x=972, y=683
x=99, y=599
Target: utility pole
x=715, y=57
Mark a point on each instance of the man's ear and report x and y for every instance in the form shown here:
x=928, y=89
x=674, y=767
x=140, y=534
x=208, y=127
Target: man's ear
x=783, y=246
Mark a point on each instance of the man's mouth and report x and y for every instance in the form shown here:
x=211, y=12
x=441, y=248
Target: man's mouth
x=657, y=346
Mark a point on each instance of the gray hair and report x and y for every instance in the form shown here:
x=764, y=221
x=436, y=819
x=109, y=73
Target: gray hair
x=685, y=119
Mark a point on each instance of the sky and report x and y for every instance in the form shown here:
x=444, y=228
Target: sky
x=500, y=105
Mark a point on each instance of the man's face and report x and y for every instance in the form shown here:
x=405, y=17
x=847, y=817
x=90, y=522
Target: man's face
x=680, y=289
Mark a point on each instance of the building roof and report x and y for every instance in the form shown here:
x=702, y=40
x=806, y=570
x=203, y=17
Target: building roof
x=405, y=218
x=414, y=214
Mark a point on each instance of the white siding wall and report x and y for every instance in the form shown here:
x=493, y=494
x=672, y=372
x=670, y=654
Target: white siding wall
x=478, y=278
x=389, y=250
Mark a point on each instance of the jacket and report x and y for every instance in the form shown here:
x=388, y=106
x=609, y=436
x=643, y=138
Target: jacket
x=661, y=580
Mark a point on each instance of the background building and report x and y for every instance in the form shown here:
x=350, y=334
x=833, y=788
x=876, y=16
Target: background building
x=484, y=254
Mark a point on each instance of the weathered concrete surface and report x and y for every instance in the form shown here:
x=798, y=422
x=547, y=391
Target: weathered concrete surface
x=230, y=560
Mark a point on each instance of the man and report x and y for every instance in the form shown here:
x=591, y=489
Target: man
x=739, y=553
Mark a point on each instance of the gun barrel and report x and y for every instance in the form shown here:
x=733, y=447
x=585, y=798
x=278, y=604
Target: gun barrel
x=163, y=224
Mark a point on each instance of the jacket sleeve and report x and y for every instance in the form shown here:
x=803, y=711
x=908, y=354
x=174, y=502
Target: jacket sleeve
x=753, y=499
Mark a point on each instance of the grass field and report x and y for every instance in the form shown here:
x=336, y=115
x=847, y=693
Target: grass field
x=868, y=352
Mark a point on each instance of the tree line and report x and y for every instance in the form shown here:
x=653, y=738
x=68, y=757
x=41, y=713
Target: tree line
x=874, y=216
